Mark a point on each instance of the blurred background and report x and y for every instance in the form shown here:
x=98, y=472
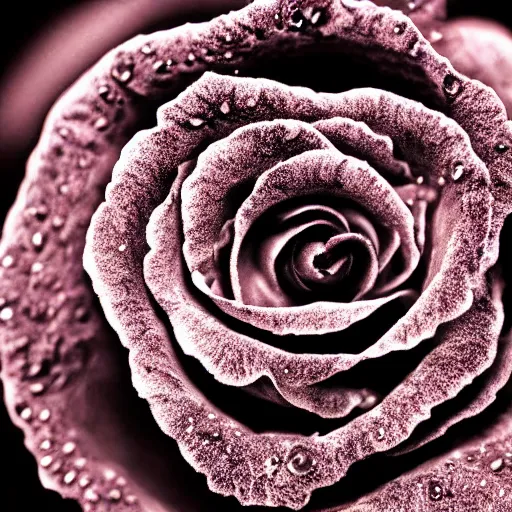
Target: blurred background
x=45, y=47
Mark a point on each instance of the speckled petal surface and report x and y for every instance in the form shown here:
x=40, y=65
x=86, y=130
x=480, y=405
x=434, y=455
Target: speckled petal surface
x=63, y=365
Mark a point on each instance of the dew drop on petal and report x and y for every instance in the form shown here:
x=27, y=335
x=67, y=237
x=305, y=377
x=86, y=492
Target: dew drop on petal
x=457, y=171
x=224, y=108
x=147, y=50
x=37, y=388
x=84, y=481
x=101, y=123
x=435, y=36
x=381, y=434
x=7, y=261
x=6, y=314
x=196, y=122
x=91, y=495
x=131, y=499
x=399, y=28
x=45, y=445
x=452, y=86
x=80, y=463
x=318, y=16
x=69, y=447
x=26, y=414
x=46, y=461
x=123, y=71
x=114, y=495
x=435, y=490
x=497, y=464
x=69, y=477
x=501, y=148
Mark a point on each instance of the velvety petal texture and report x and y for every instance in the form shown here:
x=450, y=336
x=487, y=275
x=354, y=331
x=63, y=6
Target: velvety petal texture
x=274, y=242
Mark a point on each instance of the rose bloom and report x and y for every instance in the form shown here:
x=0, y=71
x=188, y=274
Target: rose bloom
x=296, y=267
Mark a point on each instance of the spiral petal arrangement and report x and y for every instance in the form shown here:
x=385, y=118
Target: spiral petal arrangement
x=260, y=229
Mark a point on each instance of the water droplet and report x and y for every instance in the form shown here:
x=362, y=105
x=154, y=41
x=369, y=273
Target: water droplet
x=501, y=148
x=399, y=28
x=441, y=181
x=224, y=108
x=483, y=483
x=123, y=71
x=7, y=261
x=228, y=55
x=297, y=20
x=84, y=481
x=381, y=433
x=64, y=189
x=80, y=463
x=410, y=201
x=106, y=93
x=457, y=171
x=497, y=465
x=502, y=493
x=190, y=429
x=26, y=414
x=57, y=222
x=271, y=466
x=85, y=161
x=147, y=50
x=161, y=66
x=228, y=38
x=236, y=72
x=300, y=461
x=114, y=495
x=131, y=499
x=46, y=461
x=6, y=314
x=286, y=370
x=69, y=477
x=411, y=5
x=38, y=240
x=420, y=180
x=121, y=481
x=101, y=123
x=435, y=490
x=37, y=388
x=68, y=448
x=110, y=474
x=122, y=248
x=191, y=58
x=238, y=433
x=415, y=49
x=318, y=16
x=435, y=36
x=452, y=86
x=211, y=416
x=45, y=445
x=91, y=495
x=196, y=122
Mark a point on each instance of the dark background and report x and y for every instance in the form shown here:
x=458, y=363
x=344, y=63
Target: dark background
x=26, y=30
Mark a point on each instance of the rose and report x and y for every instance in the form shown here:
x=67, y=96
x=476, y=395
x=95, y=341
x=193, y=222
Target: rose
x=459, y=294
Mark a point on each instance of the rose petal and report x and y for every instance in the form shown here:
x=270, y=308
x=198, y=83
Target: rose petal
x=481, y=119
